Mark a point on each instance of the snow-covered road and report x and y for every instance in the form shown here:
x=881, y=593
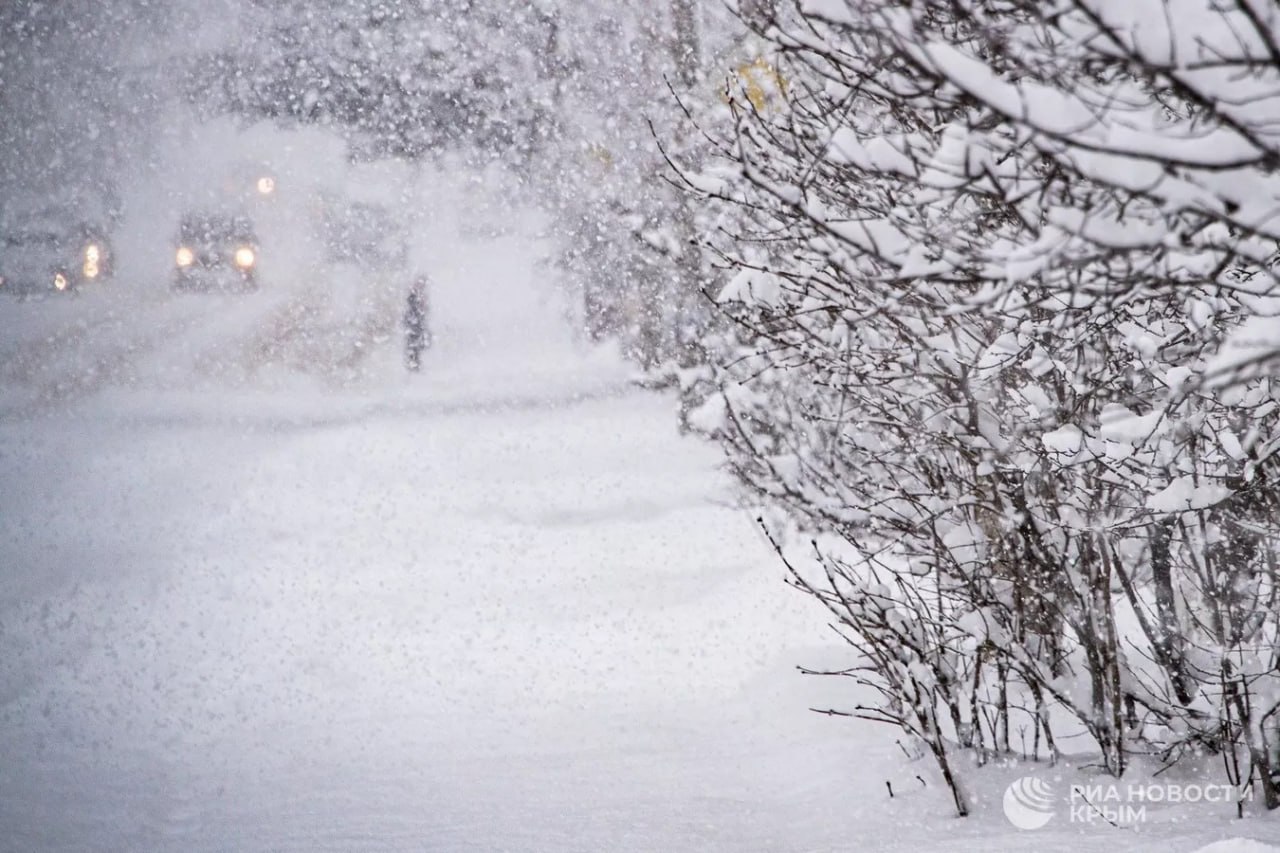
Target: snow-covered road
x=505, y=617
x=429, y=620
x=498, y=606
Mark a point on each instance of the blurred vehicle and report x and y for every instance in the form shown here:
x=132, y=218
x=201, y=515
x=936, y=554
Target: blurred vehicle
x=46, y=255
x=215, y=251
x=364, y=234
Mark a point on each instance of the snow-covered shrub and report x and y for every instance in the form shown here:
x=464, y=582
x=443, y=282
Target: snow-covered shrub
x=993, y=273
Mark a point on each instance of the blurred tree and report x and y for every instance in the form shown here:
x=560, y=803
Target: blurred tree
x=627, y=231
x=78, y=92
x=397, y=78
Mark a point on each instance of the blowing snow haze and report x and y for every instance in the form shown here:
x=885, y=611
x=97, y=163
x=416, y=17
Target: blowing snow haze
x=475, y=424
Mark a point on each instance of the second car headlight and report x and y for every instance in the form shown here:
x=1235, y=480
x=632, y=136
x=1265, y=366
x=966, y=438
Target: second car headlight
x=245, y=257
x=185, y=257
x=92, y=254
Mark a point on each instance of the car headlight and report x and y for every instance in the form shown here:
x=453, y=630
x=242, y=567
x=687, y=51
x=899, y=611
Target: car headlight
x=185, y=257
x=266, y=185
x=60, y=281
x=92, y=254
x=245, y=257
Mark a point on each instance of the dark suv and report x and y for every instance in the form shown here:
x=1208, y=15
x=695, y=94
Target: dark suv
x=216, y=251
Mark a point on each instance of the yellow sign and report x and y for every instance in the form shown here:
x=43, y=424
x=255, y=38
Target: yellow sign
x=601, y=155
x=759, y=81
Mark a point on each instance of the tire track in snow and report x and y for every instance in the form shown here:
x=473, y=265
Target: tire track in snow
x=109, y=364
x=251, y=417
x=251, y=346
x=316, y=334
x=25, y=361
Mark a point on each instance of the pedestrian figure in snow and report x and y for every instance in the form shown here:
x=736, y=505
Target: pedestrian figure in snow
x=417, y=335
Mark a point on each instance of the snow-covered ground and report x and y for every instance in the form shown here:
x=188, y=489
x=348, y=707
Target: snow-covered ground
x=256, y=599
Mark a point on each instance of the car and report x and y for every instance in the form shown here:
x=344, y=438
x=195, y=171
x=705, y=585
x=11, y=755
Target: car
x=215, y=251
x=365, y=252
x=363, y=234
x=44, y=256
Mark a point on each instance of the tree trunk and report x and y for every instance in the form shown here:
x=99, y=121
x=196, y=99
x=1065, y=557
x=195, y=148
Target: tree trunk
x=1168, y=650
x=684, y=42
